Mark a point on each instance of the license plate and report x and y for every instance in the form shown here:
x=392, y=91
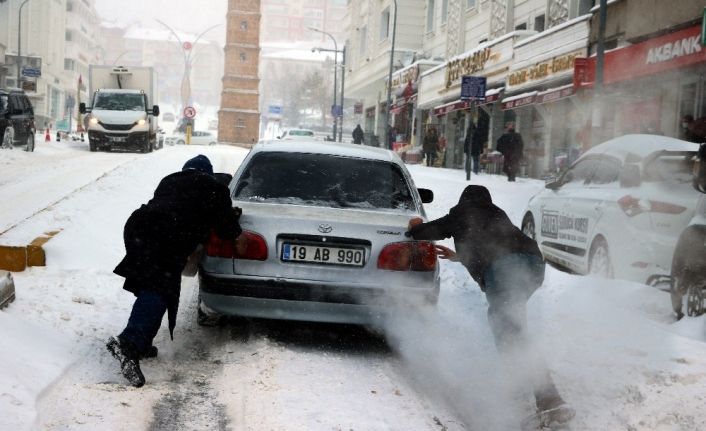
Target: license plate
x=349, y=256
x=118, y=139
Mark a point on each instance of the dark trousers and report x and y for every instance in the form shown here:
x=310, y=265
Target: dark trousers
x=430, y=157
x=509, y=283
x=145, y=320
x=475, y=162
x=510, y=170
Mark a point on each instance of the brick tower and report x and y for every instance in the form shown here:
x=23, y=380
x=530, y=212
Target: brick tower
x=239, y=116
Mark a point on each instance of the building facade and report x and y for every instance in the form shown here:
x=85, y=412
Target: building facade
x=239, y=115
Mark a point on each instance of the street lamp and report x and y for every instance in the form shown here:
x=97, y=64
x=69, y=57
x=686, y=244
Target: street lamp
x=19, y=40
x=186, y=79
x=335, y=75
x=389, y=80
x=343, y=80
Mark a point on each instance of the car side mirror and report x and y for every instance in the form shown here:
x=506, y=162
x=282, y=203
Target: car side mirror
x=553, y=184
x=426, y=195
x=223, y=178
x=279, y=137
x=700, y=170
x=155, y=110
x=82, y=108
x=630, y=176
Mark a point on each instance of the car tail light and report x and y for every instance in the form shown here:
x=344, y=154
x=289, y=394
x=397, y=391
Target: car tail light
x=248, y=246
x=633, y=206
x=408, y=256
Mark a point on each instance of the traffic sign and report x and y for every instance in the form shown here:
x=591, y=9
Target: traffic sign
x=336, y=110
x=187, y=46
x=274, y=109
x=189, y=112
x=31, y=72
x=473, y=87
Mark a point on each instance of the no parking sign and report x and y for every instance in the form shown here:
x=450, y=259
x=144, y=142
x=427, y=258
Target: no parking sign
x=189, y=112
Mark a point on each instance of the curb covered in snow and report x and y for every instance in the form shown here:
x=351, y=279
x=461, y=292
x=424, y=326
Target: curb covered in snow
x=17, y=258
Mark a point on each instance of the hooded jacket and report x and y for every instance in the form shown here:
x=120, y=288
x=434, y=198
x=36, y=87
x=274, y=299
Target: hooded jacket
x=482, y=232
x=160, y=235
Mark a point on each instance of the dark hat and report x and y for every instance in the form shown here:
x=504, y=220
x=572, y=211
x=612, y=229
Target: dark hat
x=475, y=196
x=199, y=163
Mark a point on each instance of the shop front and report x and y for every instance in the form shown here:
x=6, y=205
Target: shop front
x=649, y=87
x=539, y=98
x=440, y=92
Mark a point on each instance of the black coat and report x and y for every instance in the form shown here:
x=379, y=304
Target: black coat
x=160, y=236
x=473, y=142
x=482, y=232
x=511, y=145
x=358, y=135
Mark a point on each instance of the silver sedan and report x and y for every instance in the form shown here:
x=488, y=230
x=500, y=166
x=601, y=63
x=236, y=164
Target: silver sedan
x=323, y=237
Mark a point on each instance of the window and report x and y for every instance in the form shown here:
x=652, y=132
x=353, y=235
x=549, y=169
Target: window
x=69, y=64
x=607, y=171
x=385, y=23
x=325, y=181
x=444, y=11
x=3, y=103
x=470, y=4
x=585, y=6
x=119, y=101
x=671, y=167
x=68, y=36
x=522, y=26
x=430, y=15
x=240, y=123
x=539, y=23
x=243, y=57
x=363, y=39
x=581, y=172
x=243, y=25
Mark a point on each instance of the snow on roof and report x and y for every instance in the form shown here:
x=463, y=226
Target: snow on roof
x=329, y=148
x=520, y=96
x=638, y=147
x=554, y=29
x=595, y=8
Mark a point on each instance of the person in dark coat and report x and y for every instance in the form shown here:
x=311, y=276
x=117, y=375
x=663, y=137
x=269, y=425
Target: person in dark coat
x=358, y=135
x=472, y=148
x=508, y=267
x=429, y=146
x=511, y=146
x=159, y=237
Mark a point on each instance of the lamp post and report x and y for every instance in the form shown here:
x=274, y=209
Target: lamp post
x=19, y=40
x=335, y=76
x=389, y=80
x=186, y=52
x=343, y=81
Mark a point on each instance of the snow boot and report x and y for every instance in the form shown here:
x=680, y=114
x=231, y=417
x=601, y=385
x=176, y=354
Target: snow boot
x=129, y=361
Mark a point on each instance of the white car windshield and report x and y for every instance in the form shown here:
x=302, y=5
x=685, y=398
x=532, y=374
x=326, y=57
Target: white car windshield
x=119, y=101
x=324, y=180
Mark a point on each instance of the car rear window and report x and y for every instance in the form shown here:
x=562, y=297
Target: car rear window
x=3, y=103
x=324, y=180
x=673, y=167
x=300, y=133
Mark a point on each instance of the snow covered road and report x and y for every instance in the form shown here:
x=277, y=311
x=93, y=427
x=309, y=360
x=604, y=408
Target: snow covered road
x=614, y=350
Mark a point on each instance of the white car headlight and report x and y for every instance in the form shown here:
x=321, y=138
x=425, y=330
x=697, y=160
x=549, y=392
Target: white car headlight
x=93, y=120
x=141, y=122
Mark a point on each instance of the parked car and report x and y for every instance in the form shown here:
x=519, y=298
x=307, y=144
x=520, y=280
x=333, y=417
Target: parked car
x=16, y=120
x=213, y=124
x=689, y=263
x=323, y=237
x=618, y=210
x=197, y=138
x=297, y=134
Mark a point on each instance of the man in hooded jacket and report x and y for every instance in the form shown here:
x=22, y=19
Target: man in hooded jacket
x=159, y=237
x=508, y=267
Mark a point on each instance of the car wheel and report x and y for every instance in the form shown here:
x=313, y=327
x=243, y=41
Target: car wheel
x=208, y=319
x=180, y=142
x=528, y=227
x=599, y=259
x=92, y=147
x=211, y=143
x=8, y=137
x=30, y=143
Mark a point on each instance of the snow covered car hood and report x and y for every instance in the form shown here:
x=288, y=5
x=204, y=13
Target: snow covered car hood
x=118, y=117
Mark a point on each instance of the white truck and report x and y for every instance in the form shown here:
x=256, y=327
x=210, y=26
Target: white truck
x=122, y=107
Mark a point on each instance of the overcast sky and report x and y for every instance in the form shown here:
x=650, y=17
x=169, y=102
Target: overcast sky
x=192, y=16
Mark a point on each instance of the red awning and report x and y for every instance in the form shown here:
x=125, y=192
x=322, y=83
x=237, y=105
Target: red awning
x=451, y=107
x=519, y=100
x=554, y=94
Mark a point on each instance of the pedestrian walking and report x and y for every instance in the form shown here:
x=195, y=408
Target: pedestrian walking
x=159, y=237
x=511, y=146
x=358, y=135
x=472, y=148
x=508, y=267
x=429, y=146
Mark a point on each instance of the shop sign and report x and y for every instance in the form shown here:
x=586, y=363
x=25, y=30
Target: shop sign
x=467, y=65
x=522, y=101
x=451, y=107
x=473, y=88
x=405, y=76
x=358, y=108
x=554, y=95
x=490, y=99
x=671, y=51
x=545, y=69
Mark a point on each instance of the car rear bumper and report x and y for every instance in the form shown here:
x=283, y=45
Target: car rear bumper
x=293, y=300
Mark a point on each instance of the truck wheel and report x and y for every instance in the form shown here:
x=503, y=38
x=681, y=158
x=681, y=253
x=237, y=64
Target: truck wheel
x=599, y=259
x=528, y=226
x=92, y=147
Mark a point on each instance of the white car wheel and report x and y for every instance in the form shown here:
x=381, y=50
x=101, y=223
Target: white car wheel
x=528, y=227
x=8, y=138
x=599, y=259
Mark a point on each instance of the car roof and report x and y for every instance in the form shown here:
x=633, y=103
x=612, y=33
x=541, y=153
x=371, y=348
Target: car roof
x=635, y=148
x=322, y=147
x=120, y=90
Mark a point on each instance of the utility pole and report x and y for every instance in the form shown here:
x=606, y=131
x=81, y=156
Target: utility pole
x=388, y=126
x=343, y=84
x=596, y=115
x=19, y=41
x=335, y=78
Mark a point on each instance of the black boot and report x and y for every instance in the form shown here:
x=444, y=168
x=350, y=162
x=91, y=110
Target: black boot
x=150, y=353
x=129, y=360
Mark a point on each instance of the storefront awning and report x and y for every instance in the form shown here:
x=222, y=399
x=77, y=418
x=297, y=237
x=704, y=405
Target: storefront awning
x=519, y=100
x=554, y=94
x=456, y=105
x=492, y=95
x=401, y=102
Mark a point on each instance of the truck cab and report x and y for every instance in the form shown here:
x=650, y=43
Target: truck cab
x=120, y=115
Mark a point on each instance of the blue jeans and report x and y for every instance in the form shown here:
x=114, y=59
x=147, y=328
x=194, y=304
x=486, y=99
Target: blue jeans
x=145, y=320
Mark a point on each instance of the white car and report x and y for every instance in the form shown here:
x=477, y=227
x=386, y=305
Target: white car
x=323, y=237
x=619, y=209
x=198, y=137
x=297, y=135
